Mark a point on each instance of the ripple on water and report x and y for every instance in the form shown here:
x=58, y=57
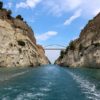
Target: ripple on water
x=45, y=89
x=30, y=96
x=87, y=87
x=6, y=98
x=5, y=78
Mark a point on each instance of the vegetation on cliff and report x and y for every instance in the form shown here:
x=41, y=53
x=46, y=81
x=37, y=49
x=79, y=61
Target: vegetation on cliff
x=18, y=47
x=84, y=51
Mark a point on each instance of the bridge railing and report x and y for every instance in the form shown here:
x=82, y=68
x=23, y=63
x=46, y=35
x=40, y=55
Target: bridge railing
x=54, y=47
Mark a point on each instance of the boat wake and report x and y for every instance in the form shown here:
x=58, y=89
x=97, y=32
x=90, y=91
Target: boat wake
x=5, y=78
x=39, y=95
x=88, y=88
x=31, y=94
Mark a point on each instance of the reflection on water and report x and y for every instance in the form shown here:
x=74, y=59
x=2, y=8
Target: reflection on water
x=49, y=83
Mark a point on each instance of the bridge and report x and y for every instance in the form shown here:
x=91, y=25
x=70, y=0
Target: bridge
x=54, y=47
x=52, y=51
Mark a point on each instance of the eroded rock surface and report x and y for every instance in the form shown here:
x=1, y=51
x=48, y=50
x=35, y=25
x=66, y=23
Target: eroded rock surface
x=17, y=43
x=84, y=51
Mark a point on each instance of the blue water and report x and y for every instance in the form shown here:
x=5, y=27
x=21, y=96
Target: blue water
x=49, y=83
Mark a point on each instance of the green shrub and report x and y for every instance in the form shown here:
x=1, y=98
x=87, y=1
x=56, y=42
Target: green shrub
x=9, y=12
x=19, y=17
x=1, y=5
x=62, y=54
x=71, y=45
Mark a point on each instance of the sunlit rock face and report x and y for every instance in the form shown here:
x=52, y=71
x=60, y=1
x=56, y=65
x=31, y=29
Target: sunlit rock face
x=17, y=43
x=84, y=51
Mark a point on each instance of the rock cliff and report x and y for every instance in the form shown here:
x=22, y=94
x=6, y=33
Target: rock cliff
x=84, y=51
x=17, y=43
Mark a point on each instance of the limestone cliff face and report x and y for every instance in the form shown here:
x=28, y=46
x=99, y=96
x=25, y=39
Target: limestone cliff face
x=84, y=51
x=17, y=44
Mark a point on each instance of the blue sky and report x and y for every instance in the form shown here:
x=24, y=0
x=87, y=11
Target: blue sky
x=55, y=21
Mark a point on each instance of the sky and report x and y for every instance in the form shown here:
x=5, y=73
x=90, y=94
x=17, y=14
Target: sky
x=55, y=21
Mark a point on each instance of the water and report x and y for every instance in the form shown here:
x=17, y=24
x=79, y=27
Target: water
x=49, y=83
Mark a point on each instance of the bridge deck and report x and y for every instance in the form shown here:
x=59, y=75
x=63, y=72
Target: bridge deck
x=54, y=49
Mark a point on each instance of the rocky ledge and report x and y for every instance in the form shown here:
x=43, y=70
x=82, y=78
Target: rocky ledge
x=17, y=43
x=84, y=51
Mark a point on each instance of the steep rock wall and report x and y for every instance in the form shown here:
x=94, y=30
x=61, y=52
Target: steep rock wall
x=84, y=51
x=17, y=44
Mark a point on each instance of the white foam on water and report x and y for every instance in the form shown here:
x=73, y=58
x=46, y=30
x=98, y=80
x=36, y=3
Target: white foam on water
x=87, y=87
x=42, y=92
x=30, y=96
x=9, y=88
x=45, y=89
x=5, y=98
x=12, y=76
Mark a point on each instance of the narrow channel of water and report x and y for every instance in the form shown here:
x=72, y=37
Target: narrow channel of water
x=49, y=83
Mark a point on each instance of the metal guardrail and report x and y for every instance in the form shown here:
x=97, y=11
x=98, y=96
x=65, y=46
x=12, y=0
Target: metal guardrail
x=54, y=49
x=50, y=47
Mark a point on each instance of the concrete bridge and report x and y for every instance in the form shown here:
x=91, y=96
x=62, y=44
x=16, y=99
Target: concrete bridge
x=54, y=47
